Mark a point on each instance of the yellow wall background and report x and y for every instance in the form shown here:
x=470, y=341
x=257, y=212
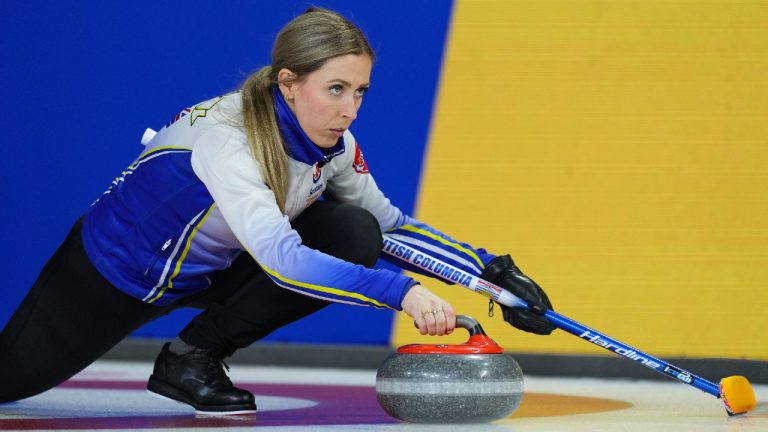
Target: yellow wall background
x=617, y=150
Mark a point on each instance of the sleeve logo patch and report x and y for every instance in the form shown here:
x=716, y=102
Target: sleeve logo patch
x=359, y=163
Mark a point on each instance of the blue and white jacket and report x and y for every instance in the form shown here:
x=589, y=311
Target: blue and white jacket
x=195, y=199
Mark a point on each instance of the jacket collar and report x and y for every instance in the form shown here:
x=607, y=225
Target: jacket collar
x=298, y=144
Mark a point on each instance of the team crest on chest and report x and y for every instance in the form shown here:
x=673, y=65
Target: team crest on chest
x=317, y=188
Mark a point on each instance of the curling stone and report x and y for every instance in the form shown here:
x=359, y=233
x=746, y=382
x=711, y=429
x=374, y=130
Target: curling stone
x=474, y=382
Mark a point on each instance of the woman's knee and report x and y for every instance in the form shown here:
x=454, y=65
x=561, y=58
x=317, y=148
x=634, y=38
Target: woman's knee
x=364, y=234
x=342, y=230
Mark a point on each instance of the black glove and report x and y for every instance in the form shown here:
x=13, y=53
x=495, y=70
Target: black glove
x=503, y=272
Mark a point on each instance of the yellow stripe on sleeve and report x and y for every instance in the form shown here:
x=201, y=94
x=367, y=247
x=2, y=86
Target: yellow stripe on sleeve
x=443, y=241
x=328, y=290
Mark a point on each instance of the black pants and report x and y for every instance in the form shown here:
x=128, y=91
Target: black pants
x=72, y=315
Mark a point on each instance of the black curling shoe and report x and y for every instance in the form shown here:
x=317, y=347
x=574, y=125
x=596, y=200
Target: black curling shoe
x=198, y=378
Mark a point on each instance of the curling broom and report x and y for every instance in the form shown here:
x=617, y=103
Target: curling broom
x=735, y=391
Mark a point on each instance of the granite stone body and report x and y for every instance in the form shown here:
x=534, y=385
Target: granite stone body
x=449, y=388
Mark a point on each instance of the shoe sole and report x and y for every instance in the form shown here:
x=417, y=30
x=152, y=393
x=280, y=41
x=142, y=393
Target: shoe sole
x=164, y=390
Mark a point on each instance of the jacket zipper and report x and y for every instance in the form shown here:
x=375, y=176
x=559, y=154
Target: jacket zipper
x=158, y=255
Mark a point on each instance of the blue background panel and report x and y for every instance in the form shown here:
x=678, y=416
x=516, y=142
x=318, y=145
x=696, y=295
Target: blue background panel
x=80, y=81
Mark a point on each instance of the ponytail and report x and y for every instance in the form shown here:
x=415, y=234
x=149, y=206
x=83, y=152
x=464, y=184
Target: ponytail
x=263, y=135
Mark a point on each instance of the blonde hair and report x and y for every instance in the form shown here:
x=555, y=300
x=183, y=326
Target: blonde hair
x=302, y=46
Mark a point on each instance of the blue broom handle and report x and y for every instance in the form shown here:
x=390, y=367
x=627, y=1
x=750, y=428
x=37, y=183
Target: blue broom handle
x=444, y=270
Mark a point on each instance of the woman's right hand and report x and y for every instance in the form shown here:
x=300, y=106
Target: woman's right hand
x=433, y=315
